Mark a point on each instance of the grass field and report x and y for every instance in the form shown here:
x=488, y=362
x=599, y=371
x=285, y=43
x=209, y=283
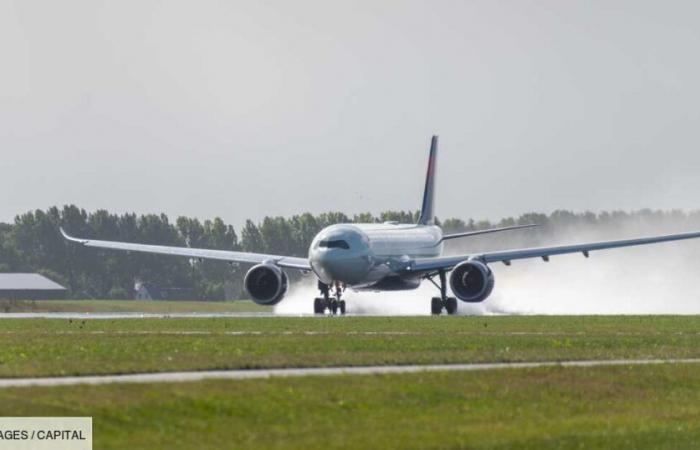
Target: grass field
x=42, y=347
x=142, y=306
x=634, y=407
x=642, y=407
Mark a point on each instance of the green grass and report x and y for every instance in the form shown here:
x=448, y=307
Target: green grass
x=142, y=306
x=43, y=347
x=642, y=407
x=634, y=407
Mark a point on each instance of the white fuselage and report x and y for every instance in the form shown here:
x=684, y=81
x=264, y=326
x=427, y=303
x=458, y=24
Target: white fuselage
x=370, y=255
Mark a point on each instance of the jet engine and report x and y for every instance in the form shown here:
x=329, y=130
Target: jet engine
x=266, y=284
x=471, y=281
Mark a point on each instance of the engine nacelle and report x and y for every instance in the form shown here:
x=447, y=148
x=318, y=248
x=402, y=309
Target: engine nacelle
x=471, y=281
x=266, y=284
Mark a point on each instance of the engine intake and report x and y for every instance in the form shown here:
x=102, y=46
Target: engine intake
x=471, y=281
x=266, y=284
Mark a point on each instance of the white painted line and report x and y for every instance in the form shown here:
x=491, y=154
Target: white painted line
x=138, y=315
x=341, y=333
x=177, y=377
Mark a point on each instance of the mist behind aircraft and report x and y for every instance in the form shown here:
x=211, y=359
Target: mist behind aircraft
x=659, y=279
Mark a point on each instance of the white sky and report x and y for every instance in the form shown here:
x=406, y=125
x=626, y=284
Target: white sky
x=249, y=108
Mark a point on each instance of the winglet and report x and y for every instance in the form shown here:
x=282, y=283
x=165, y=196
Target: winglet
x=71, y=238
x=427, y=211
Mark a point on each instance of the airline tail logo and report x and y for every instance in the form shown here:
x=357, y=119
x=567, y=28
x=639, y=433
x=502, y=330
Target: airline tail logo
x=427, y=213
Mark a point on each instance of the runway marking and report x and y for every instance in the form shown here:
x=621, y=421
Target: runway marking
x=349, y=333
x=178, y=377
x=144, y=315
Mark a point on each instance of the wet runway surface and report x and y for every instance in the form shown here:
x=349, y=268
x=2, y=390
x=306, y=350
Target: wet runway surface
x=177, y=315
x=177, y=377
x=138, y=315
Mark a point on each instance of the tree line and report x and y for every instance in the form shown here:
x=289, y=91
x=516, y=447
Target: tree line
x=33, y=244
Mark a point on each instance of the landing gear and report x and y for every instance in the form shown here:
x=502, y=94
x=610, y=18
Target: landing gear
x=333, y=305
x=437, y=303
x=451, y=305
x=436, y=306
x=319, y=305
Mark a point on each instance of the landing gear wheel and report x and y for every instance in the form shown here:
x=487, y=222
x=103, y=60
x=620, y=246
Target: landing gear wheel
x=436, y=306
x=341, y=305
x=334, y=307
x=437, y=303
x=319, y=305
x=451, y=305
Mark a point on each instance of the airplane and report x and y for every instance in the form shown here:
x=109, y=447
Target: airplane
x=382, y=257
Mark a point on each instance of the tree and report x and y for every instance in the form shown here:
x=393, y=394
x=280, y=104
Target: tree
x=251, y=240
x=33, y=243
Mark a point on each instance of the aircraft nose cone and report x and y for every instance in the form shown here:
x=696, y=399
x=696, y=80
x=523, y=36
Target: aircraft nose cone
x=340, y=253
x=348, y=269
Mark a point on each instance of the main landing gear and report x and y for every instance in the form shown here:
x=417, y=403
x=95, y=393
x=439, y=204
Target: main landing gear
x=330, y=301
x=438, y=303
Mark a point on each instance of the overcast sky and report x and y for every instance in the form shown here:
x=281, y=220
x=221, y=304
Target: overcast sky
x=243, y=109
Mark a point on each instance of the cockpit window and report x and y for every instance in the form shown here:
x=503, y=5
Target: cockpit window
x=334, y=244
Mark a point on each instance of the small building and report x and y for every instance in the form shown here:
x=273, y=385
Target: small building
x=151, y=291
x=29, y=286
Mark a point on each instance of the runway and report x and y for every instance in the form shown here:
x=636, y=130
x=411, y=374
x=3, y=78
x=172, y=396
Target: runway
x=176, y=315
x=178, y=377
x=139, y=315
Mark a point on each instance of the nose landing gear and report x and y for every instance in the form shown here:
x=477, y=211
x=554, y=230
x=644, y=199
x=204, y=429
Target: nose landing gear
x=334, y=303
x=438, y=303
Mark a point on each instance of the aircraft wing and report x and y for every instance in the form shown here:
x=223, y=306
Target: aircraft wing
x=223, y=255
x=486, y=231
x=506, y=256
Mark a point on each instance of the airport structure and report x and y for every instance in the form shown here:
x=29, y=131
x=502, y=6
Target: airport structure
x=29, y=286
x=152, y=291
